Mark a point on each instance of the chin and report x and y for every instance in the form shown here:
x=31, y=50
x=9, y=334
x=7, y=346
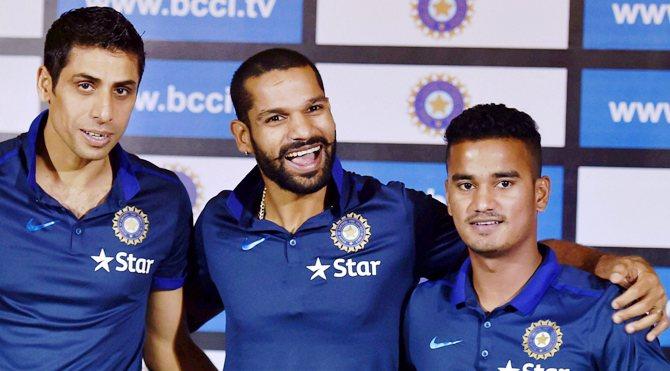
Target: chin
x=94, y=155
x=486, y=248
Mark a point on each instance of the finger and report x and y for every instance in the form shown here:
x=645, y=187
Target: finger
x=646, y=287
x=617, y=278
x=621, y=275
x=643, y=323
x=660, y=327
x=641, y=308
x=631, y=294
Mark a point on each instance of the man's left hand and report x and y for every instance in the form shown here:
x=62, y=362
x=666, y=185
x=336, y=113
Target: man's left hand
x=644, y=297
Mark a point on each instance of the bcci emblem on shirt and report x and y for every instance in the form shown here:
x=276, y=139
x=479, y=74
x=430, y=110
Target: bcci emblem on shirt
x=350, y=233
x=435, y=101
x=130, y=225
x=441, y=18
x=542, y=339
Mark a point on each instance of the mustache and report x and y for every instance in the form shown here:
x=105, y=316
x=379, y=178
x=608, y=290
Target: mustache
x=481, y=216
x=297, y=144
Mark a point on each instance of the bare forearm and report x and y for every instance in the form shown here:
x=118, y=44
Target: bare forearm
x=578, y=256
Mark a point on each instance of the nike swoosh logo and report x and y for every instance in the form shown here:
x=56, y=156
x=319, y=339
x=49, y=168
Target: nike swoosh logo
x=251, y=245
x=32, y=227
x=434, y=345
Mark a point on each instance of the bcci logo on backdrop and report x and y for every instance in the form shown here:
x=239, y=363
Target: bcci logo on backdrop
x=442, y=18
x=435, y=101
x=191, y=182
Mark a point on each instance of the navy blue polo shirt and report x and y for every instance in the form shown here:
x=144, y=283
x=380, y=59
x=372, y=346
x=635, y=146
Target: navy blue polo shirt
x=328, y=296
x=560, y=320
x=73, y=292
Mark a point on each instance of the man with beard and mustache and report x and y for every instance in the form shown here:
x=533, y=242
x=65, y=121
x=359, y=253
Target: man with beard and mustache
x=313, y=262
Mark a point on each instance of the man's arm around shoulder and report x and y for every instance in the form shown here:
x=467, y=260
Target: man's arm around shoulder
x=644, y=297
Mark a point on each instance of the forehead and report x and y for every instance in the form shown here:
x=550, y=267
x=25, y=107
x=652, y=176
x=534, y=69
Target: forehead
x=487, y=156
x=278, y=87
x=102, y=63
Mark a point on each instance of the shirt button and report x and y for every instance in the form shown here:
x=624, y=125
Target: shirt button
x=292, y=242
x=487, y=324
x=78, y=231
x=485, y=353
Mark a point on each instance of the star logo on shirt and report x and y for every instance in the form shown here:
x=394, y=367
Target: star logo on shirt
x=102, y=260
x=318, y=269
x=542, y=340
x=508, y=367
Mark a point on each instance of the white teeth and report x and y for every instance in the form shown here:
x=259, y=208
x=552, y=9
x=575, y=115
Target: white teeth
x=487, y=223
x=94, y=135
x=302, y=153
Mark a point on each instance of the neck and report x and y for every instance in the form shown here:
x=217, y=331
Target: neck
x=497, y=280
x=290, y=210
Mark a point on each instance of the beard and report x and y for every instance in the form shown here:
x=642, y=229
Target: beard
x=302, y=184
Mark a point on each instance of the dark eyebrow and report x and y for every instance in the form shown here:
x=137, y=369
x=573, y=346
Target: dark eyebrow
x=96, y=80
x=86, y=77
x=507, y=174
x=270, y=111
x=281, y=111
x=458, y=176
x=126, y=83
x=497, y=175
x=321, y=98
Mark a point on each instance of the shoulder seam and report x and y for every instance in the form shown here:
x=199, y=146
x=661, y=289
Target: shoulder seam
x=143, y=169
x=593, y=293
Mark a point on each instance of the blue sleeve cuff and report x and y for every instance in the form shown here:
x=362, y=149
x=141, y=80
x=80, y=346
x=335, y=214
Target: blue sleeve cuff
x=161, y=283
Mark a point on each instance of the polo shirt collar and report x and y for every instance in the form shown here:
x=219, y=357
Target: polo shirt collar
x=125, y=185
x=530, y=295
x=244, y=199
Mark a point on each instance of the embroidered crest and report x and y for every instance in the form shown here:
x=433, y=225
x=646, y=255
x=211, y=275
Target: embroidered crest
x=130, y=225
x=542, y=339
x=350, y=233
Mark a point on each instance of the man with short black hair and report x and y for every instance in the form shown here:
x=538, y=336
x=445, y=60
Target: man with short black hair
x=312, y=262
x=512, y=306
x=94, y=239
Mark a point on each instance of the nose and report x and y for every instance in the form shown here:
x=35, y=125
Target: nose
x=102, y=108
x=483, y=200
x=302, y=128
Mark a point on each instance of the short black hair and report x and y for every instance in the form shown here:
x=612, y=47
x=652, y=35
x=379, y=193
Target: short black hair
x=258, y=64
x=101, y=27
x=491, y=121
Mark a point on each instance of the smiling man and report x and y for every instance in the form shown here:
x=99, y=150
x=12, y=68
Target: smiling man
x=312, y=262
x=94, y=240
x=512, y=306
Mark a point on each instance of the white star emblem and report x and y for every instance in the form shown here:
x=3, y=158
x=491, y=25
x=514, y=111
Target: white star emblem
x=508, y=367
x=318, y=269
x=102, y=260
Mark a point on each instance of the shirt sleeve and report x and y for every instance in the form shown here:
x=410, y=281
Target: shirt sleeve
x=623, y=351
x=171, y=271
x=202, y=299
x=439, y=248
x=405, y=354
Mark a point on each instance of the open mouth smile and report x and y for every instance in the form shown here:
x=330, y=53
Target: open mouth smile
x=305, y=159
